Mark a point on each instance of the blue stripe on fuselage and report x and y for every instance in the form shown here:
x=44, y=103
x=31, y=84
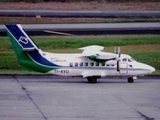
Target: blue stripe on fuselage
x=36, y=56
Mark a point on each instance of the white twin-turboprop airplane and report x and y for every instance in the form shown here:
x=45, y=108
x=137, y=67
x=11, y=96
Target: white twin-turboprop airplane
x=92, y=63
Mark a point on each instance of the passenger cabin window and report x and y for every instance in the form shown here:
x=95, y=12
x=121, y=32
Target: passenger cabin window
x=97, y=64
x=103, y=64
x=81, y=64
x=86, y=64
x=71, y=64
x=76, y=64
x=112, y=64
x=92, y=63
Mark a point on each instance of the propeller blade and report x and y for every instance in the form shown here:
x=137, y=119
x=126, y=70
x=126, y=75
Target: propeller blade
x=118, y=66
x=59, y=33
x=117, y=51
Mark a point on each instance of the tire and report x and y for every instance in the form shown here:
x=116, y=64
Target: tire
x=130, y=80
x=92, y=79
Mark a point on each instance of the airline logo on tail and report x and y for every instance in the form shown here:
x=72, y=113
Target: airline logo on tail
x=20, y=36
x=23, y=40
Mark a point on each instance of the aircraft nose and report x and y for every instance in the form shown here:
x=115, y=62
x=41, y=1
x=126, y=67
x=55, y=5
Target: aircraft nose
x=152, y=69
x=149, y=68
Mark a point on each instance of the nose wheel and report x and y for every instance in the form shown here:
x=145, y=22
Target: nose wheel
x=130, y=80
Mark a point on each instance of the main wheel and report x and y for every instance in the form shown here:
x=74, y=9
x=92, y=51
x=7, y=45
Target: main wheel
x=92, y=79
x=130, y=80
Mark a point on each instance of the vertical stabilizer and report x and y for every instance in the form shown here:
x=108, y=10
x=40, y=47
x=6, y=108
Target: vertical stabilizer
x=26, y=50
x=19, y=35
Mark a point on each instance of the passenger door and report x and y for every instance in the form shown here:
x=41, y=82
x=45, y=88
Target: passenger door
x=123, y=66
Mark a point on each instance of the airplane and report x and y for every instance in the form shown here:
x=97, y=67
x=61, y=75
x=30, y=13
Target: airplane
x=92, y=63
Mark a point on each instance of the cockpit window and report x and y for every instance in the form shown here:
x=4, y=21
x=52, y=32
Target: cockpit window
x=124, y=60
x=132, y=59
x=129, y=60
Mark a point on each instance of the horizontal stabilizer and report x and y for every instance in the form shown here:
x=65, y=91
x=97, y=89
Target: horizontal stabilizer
x=29, y=49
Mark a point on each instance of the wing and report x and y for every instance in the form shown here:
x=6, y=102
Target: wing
x=92, y=47
x=95, y=53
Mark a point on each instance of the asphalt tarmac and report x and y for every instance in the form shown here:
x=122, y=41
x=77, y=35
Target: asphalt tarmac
x=58, y=98
x=83, y=13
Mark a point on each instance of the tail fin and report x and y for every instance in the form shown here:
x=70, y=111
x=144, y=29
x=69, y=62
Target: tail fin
x=26, y=50
x=17, y=32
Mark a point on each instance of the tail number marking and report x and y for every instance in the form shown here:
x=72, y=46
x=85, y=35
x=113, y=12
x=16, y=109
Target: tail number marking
x=62, y=71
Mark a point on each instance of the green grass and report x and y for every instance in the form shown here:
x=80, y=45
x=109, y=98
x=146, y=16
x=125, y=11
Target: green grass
x=144, y=48
x=63, y=42
x=50, y=42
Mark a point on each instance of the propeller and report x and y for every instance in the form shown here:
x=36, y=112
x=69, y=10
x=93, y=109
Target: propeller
x=59, y=33
x=117, y=51
x=118, y=65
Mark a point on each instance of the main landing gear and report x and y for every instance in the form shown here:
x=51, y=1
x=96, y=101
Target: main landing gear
x=92, y=79
x=130, y=80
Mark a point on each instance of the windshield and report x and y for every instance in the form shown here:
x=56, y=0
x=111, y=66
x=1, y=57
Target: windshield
x=128, y=59
x=132, y=59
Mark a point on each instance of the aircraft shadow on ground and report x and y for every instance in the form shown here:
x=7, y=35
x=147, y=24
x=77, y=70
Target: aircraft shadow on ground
x=81, y=81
